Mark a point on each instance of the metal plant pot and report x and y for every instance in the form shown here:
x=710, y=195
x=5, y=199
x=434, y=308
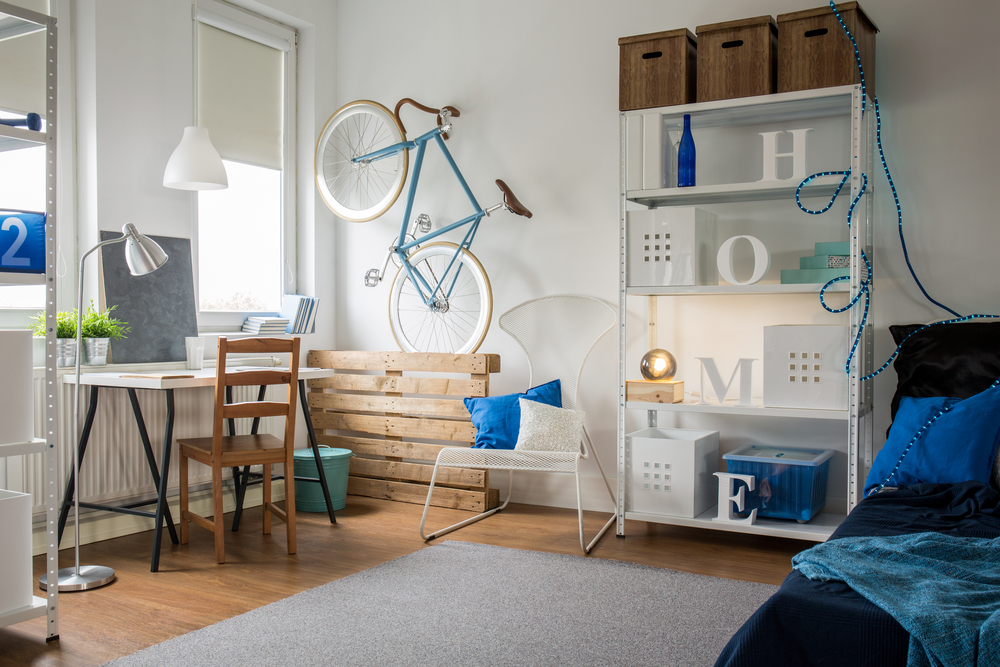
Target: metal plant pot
x=95, y=351
x=65, y=352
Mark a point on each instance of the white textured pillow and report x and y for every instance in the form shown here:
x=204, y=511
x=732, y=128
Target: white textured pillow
x=546, y=428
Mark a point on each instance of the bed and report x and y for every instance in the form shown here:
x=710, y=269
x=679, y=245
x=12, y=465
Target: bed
x=945, y=488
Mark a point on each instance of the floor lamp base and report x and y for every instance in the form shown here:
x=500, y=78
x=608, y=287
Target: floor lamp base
x=91, y=576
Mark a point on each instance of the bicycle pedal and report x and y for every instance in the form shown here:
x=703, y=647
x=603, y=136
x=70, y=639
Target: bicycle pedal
x=423, y=223
x=372, y=278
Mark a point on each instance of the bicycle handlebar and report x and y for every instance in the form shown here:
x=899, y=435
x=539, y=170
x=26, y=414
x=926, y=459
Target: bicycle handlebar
x=423, y=107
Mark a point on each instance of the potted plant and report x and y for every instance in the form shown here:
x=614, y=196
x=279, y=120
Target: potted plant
x=99, y=328
x=65, y=335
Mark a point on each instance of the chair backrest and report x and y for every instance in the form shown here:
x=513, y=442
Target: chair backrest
x=557, y=333
x=226, y=377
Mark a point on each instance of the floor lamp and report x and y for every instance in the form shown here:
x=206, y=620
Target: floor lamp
x=143, y=256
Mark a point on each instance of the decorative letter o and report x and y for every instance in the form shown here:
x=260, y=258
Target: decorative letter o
x=761, y=260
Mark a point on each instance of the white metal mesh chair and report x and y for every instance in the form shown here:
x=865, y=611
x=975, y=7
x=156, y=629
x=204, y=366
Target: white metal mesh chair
x=557, y=333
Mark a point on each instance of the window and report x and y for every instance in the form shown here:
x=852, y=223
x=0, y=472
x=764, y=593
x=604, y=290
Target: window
x=245, y=249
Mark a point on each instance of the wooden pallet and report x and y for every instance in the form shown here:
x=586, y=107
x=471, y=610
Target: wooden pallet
x=397, y=424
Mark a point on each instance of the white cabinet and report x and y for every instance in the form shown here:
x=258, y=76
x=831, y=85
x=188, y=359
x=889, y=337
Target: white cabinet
x=16, y=22
x=725, y=320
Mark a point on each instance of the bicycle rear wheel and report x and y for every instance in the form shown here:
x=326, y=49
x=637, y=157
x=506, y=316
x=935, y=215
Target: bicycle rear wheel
x=458, y=320
x=360, y=191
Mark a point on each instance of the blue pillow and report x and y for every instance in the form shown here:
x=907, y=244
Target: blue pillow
x=960, y=445
x=498, y=418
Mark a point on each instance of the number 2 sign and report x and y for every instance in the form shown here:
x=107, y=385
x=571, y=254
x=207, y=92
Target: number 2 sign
x=22, y=242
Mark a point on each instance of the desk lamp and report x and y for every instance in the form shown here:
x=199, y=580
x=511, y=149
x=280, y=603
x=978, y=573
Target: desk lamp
x=143, y=256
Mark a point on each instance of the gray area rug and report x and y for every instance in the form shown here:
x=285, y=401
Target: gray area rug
x=458, y=603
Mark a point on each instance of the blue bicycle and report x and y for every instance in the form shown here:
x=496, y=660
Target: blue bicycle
x=441, y=300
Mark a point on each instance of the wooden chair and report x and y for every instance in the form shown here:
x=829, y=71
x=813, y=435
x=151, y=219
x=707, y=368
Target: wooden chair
x=222, y=451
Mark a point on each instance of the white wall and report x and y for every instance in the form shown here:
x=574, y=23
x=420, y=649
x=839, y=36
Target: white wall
x=537, y=84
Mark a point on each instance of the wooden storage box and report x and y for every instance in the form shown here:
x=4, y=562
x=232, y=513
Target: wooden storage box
x=397, y=424
x=737, y=59
x=814, y=52
x=657, y=69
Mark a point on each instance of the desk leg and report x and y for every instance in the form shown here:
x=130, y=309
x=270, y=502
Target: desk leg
x=150, y=459
x=315, y=447
x=241, y=481
x=161, y=504
x=71, y=484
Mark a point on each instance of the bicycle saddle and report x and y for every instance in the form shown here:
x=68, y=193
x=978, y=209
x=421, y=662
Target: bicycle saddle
x=510, y=201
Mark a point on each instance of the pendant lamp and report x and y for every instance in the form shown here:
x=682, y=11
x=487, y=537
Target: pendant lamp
x=195, y=164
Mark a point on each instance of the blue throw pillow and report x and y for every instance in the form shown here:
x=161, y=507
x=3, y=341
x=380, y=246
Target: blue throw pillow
x=498, y=418
x=960, y=445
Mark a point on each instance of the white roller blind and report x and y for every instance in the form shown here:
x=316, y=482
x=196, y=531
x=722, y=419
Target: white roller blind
x=241, y=96
x=22, y=73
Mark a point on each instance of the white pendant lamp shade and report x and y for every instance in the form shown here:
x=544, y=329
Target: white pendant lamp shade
x=195, y=164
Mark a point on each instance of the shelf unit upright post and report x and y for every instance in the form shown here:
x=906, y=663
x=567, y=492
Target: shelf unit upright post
x=844, y=102
x=48, y=606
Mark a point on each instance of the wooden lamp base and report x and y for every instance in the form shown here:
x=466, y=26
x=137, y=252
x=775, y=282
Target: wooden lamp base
x=644, y=391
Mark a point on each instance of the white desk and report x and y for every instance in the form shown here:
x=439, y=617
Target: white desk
x=168, y=381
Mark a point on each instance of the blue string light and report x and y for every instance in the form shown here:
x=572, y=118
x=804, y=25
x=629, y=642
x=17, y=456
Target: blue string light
x=864, y=288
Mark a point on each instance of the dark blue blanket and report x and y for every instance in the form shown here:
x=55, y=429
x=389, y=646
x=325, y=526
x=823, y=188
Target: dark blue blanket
x=826, y=622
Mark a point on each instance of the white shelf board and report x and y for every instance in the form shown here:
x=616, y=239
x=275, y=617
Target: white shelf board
x=18, y=448
x=730, y=408
x=732, y=290
x=823, y=186
x=14, y=138
x=34, y=610
x=778, y=107
x=818, y=529
x=10, y=278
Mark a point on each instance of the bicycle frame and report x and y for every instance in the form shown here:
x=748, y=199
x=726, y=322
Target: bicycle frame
x=427, y=292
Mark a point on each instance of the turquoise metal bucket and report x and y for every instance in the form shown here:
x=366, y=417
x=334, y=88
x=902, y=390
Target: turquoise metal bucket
x=336, y=465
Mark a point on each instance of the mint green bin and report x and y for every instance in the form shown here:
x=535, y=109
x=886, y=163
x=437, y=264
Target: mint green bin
x=336, y=465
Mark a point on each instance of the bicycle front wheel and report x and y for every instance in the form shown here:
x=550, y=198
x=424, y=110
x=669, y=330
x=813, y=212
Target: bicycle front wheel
x=459, y=315
x=360, y=191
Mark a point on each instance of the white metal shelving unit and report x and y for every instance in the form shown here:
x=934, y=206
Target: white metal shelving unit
x=21, y=21
x=855, y=423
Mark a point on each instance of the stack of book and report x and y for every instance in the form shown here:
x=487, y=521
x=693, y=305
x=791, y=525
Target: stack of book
x=265, y=326
x=300, y=312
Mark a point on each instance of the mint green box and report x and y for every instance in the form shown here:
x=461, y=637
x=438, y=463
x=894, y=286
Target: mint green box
x=802, y=276
x=822, y=261
x=833, y=248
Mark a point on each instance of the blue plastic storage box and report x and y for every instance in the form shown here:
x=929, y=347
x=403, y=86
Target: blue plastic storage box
x=789, y=483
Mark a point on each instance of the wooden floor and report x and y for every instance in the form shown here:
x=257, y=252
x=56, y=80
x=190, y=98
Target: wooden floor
x=190, y=591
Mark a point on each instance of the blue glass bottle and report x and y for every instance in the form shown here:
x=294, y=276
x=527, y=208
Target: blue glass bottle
x=685, y=156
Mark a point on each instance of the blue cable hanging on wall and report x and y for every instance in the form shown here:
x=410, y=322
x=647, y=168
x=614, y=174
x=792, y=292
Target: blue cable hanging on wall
x=864, y=289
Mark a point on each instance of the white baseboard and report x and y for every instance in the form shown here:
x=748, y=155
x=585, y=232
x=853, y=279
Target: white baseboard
x=96, y=526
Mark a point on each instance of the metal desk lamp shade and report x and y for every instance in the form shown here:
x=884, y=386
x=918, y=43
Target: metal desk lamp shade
x=143, y=256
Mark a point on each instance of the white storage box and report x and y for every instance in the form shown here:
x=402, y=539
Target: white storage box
x=671, y=246
x=15, y=550
x=804, y=366
x=18, y=424
x=672, y=471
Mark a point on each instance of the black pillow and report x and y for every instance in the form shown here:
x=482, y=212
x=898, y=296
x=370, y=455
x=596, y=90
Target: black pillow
x=959, y=359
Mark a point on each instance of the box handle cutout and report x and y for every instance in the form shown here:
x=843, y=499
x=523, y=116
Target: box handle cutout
x=652, y=54
x=732, y=44
x=809, y=33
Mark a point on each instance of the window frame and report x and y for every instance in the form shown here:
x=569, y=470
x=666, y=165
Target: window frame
x=279, y=36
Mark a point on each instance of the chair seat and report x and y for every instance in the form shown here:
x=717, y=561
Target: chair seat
x=508, y=459
x=237, y=449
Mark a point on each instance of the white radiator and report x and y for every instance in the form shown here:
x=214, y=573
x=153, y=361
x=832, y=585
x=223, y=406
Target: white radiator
x=115, y=467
